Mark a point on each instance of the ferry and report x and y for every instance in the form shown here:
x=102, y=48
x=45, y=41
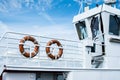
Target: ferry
x=95, y=56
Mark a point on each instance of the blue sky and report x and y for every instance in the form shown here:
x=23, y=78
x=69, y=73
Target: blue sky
x=40, y=17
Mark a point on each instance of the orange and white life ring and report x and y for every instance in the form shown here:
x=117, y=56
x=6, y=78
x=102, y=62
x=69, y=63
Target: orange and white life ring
x=60, y=52
x=21, y=46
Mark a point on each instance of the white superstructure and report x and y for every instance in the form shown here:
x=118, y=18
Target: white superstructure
x=95, y=57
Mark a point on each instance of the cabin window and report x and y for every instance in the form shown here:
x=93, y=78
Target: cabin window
x=114, y=25
x=81, y=30
x=94, y=27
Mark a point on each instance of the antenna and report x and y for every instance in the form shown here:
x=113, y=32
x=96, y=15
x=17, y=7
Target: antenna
x=81, y=9
x=83, y=3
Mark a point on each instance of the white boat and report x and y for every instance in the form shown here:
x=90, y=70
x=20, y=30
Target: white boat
x=95, y=56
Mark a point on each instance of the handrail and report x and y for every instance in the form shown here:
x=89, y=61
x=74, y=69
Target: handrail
x=42, y=36
x=10, y=47
x=3, y=36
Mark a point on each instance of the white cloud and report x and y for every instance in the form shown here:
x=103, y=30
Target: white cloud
x=56, y=31
x=86, y=1
x=3, y=7
x=53, y=31
x=3, y=28
x=47, y=17
x=8, y=5
x=16, y=4
x=69, y=5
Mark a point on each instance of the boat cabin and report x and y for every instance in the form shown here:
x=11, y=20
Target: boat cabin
x=99, y=29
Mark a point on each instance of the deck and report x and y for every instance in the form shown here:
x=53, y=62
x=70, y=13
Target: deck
x=11, y=58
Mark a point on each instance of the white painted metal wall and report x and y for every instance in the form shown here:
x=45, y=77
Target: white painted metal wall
x=19, y=76
x=94, y=74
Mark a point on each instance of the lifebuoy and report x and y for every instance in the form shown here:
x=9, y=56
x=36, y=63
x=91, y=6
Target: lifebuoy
x=21, y=46
x=60, y=52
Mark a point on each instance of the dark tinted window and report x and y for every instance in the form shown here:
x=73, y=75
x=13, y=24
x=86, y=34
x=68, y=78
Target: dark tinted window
x=81, y=30
x=114, y=25
x=94, y=27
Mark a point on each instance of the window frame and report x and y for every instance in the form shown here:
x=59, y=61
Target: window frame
x=79, y=31
x=110, y=25
x=98, y=26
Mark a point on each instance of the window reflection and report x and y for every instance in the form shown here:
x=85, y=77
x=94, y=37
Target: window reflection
x=94, y=27
x=114, y=25
x=81, y=30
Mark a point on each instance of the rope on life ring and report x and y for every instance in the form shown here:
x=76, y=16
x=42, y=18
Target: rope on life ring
x=49, y=53
x=21, y=47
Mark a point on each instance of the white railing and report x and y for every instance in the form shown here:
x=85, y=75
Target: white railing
x=9, y=52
